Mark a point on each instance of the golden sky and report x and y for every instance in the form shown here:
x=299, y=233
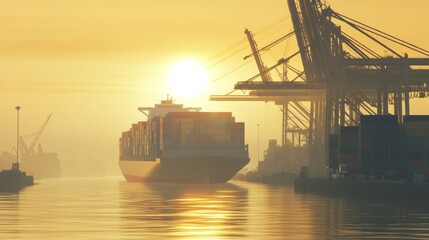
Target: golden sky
x=93, y=62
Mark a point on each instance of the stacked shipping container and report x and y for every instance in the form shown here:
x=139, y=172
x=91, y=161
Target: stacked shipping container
x=416, y=129
x=202, y=130
x=181, y=130
x=135, y=143
x=382, y=145
x=348, y=153
x=333, y=151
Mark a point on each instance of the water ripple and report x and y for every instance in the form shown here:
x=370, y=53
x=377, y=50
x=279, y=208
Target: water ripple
x=110, y=208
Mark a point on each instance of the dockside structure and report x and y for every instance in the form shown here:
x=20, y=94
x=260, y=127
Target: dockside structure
x=382, y=148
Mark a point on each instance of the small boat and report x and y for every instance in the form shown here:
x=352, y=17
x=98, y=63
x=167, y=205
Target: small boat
x=13, y=180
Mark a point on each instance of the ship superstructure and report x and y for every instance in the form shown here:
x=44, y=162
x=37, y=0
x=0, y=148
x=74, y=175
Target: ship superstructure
x=165, y=107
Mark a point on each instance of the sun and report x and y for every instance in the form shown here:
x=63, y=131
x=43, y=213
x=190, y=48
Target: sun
x=187, y=78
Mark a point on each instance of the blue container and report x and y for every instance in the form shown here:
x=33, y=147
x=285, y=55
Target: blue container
x=416, y=118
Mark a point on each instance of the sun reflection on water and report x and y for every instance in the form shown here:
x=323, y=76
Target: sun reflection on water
x=193, y=212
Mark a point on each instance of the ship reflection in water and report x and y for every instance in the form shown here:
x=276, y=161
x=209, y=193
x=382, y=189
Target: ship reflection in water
x=111, y=208
x=188, y=211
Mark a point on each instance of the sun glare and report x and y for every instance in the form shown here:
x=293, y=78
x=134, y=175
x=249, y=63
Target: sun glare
x=187, y=78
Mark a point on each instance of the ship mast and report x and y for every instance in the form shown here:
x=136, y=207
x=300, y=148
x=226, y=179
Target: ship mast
x=17, y=134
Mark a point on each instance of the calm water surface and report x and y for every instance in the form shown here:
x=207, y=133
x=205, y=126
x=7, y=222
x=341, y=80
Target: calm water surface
x=110, y=208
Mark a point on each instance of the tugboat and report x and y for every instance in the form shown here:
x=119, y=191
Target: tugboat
x=13, y=180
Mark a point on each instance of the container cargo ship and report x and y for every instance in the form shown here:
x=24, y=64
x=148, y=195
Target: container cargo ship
x=183, y=145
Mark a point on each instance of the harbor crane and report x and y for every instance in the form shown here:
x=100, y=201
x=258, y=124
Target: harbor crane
x=29, y=150
x=342, y=78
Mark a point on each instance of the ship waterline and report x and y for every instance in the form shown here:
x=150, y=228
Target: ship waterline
x=194, y=170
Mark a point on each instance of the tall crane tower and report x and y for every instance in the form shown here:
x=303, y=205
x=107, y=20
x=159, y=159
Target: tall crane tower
x=337, y=84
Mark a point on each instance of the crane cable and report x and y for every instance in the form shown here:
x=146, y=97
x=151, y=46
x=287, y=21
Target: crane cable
x=219, y=54
x=267, y=47
x=369, y=50
x=230, y=51
x=232, y=47
x=381, y=34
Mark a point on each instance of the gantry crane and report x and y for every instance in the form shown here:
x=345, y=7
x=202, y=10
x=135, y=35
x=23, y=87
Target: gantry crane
x=337, y=85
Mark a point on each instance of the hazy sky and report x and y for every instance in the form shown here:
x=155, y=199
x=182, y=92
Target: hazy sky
x=93, y=62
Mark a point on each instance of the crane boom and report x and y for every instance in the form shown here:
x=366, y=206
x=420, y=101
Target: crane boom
x=262, y=71
x=24, y=148
x=39, y=133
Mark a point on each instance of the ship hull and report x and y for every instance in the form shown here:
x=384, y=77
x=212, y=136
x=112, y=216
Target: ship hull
x=191, y=170
x=14, y=181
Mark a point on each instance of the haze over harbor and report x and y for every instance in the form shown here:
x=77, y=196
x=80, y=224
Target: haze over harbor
x=329, y=115
x=93, y=63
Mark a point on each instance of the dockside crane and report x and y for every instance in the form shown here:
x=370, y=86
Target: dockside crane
x=262, y=69
x=29, y=150
x=342, y=77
